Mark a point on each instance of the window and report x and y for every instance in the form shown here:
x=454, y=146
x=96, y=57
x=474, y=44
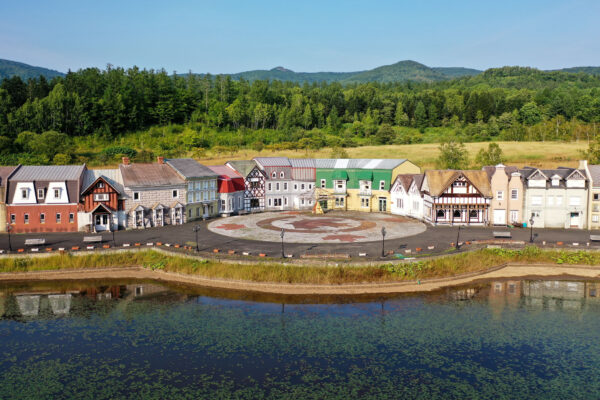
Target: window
x=381, y=185
x=595, y=218
x=190, y=213
x=309, y=186
x=57, y=193
x=274, y=175
x=295, y=186
x=536, y=200
x=197, y=211
x=364, y=202
x=285, y=201
x=42, y=218
x=190, y=185
x=302, y=201
x=574, y=201
x=198, y=185
x=277, y=186
x=441, y=214
x=136, y=195
x=239, y=202
x=339, y=202
x=596, y=196
x=13, y=218
x=277, y=202
x=71, y=218
x=323, y=182
x=222, y=205
x=58, y=218
x=270, y=202
x=473, y=214
x=100, y=185
x=592, y=292
x=460, y=184
x=101, y=197
x=24, y=193
x=190, y=197
x=40, y=193
x=269, y=186
x=302, y=186
x=26, y=218
x=514, y=215
x=175, y=194
x=514, y=194
x=339, y=184
x=500, y=195
x=456, y=214
x=281, y=175
x=204, y=184
x=285, y=186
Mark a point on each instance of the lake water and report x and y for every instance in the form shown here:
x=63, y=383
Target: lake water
x=115, y=339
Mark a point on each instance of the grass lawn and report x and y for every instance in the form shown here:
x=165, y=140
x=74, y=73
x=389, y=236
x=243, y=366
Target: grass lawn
x=536, y=154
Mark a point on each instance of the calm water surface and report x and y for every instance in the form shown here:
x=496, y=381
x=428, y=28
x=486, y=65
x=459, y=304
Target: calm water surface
x=116, y=339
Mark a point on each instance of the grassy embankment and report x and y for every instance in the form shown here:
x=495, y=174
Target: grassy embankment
x=435, y=268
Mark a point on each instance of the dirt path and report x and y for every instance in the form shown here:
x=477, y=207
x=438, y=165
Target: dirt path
x=501, y=272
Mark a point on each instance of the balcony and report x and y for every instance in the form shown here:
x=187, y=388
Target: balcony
x=338, y=190
x=365, y=192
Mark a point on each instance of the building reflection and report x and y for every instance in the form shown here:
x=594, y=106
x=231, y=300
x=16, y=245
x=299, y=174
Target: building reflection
x=45, y=302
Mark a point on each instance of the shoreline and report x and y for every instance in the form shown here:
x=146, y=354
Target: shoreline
x=509, y=270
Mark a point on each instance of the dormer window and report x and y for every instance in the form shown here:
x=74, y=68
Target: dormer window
x=40, y=193
x=281, y=175
x=100, y=185
x=24, y=194
x=555, y=182
x=57, y=193
x=274, y=175
x=381, y=185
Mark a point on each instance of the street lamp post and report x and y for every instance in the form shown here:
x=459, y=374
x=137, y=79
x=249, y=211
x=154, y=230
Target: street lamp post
x=8, y=229
x=531, y=229
x=113, y=235
x=196, y=229
x=282, y=251
x=458, y=238
x=383, y=232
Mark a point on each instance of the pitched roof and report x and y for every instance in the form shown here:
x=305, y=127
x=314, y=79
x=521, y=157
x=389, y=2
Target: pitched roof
x=243, y=167
x=595, y=175
x=359, y=163
x=111, y=176
x=406, y=180
x=189, y=168
x=5, y=173
x=229, y=180
x=439, y=180
x=303, y=162
x=491, y=169
x=273, y=161
x=135, y=175
x=48, y=173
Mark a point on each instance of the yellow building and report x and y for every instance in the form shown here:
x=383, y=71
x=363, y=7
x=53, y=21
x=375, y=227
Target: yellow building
x=358, y=184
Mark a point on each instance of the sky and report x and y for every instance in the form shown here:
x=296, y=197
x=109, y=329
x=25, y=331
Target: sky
x=307, y=35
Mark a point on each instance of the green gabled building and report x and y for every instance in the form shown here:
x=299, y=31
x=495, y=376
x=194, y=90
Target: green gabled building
x=359, y=184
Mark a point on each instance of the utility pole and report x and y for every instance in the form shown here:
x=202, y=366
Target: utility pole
x=458, y=238
x=282, y=234
x=383, y=232
x=196, y=229
x=8, y=229
x=531, y=229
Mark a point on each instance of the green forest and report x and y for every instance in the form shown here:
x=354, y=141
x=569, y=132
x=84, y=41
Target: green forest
x=96, y=116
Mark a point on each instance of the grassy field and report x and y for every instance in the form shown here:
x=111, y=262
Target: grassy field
x=536, y=154
x=448, y=266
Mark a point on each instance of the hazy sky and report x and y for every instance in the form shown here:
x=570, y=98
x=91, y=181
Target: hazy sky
x=306, y=35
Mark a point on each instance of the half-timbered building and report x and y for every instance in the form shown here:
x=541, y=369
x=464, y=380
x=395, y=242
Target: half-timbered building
x=101, y=205
x=456, y=197
x=254, y=184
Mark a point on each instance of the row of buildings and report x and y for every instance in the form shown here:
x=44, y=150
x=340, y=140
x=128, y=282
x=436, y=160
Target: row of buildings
x=175, y=191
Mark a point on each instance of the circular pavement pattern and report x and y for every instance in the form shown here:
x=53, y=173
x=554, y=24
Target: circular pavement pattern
x=304, y=227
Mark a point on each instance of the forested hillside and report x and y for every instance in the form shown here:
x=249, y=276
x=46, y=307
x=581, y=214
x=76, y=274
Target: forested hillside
x=94, y=115
x=24, y=71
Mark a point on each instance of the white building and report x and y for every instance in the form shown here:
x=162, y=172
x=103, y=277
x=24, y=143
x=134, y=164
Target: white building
x=406, y=196
x=289, y=183
x=231, y=188
x=556, y=198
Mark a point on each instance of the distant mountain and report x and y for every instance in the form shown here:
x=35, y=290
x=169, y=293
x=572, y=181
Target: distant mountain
x=399, y=72
x=10, y=68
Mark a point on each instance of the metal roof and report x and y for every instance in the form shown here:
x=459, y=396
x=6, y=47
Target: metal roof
x=273, y=161
x=302, y=162
x=29, y=173
x=190, y=168
x=224, y=171
x=136, y=175
x=112, y=176
x=359, y=163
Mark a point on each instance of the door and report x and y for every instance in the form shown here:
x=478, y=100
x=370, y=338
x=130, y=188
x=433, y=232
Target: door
x=382, y=205
x=101, y=222
x=499, y=217
x=574, y=220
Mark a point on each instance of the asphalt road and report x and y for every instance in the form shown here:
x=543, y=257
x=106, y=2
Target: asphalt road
x=440, y=237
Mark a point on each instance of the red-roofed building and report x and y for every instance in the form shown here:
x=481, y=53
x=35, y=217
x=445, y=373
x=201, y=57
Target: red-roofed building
x=231, y=188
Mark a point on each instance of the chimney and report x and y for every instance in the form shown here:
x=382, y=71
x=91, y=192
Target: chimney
x=583, y=164
x=160, y=160
x=125, y=160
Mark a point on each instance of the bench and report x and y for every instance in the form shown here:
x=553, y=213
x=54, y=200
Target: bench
x=34, y=242
x=505, y=235
x=92, y=239
x=594, y=238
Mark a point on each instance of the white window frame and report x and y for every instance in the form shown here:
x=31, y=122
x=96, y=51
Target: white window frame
x=58, y=218
x=26, y=218
x=323, y=183
x=500, y=195
x=101, y=197
x=24, y=194
x=40, y=193
x=514, y=194
x=281, y=175
x=42, y=218
x=56, y=193
x=71, y=218
x=137, y=196
x=175, y=193
x=285, y=186
x=381, y=185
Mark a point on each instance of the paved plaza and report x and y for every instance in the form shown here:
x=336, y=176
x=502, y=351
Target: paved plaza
x=304, y=227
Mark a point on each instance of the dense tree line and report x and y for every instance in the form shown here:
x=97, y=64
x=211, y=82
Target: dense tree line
x=508, y=103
